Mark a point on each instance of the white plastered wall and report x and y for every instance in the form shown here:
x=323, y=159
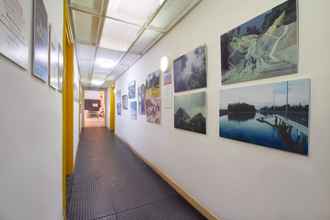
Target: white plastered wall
x=235, y=180
x=76, y=111
x=30, y=137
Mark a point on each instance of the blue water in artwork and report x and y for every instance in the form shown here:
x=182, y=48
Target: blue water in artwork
x=255, y=132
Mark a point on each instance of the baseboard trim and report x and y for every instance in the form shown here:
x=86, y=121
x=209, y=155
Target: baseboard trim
x=190, y=199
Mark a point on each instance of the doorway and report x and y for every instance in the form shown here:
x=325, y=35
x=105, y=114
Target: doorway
x=94, y=108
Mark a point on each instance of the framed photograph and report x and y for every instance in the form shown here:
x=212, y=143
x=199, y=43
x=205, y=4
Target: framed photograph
x=118, y=101
x=272, y=115
x=60, y=68
x=190, y=71
x=190, y=112
x=141, y=99
x=264, y=47
x=125, y=102
x=40, y=41
x=133, y=109
x=167, y=78
x=14, y=25
x=53, y=60
x=132, y=90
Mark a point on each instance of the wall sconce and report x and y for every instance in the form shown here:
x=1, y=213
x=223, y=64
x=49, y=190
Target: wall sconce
x=164, y=64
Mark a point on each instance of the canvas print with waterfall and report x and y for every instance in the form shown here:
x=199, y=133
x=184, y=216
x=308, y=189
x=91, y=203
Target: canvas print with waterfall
x=272, y=115
x=266, y=46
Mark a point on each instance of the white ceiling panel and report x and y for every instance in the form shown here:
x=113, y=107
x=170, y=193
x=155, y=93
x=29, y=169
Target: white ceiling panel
x=85, y=67
x=93, y=6
x=117, y=35
x=172, y=11
x=85, y=27
x=137, y=12
x=147, y=39
x=85, y=52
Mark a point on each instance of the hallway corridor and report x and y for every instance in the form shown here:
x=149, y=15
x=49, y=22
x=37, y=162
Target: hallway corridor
x=111, y=183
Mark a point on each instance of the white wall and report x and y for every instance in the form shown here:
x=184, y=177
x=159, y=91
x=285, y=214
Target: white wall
x=30, y=138
x=239, y=181
x=76, y=110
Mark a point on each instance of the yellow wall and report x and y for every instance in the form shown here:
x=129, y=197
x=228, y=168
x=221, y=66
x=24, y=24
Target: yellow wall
x=112, y=107
x=68, y=99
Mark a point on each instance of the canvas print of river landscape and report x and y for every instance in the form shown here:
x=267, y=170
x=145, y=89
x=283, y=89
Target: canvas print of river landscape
x=266, y=46
x=189, y=70
x=190, y=112
x=273, y=115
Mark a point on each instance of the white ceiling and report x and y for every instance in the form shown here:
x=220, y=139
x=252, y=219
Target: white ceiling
x=111, y=35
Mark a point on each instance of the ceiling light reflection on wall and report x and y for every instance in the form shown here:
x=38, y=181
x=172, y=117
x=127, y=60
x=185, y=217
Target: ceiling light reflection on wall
x=105, y=63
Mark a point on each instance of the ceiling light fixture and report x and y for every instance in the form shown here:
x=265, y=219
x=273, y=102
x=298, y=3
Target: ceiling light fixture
x=105, y=63
x=97, y=82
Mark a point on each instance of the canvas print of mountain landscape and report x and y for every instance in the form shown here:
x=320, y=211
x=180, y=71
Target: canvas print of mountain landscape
x=153, y=98
x=274, y=115
x=190, y=112
x=141, y=99
x=266, y=46
x=132, y=90
x=190, y=70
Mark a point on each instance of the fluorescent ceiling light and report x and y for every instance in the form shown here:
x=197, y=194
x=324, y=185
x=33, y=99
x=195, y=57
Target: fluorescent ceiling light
x=136, y=12
x=97, y=82
x=105, y=63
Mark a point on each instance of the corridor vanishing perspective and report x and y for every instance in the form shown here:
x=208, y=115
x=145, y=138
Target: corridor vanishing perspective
x=112, y=183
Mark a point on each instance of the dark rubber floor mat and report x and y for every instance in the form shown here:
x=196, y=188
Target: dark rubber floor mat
x=111, y=183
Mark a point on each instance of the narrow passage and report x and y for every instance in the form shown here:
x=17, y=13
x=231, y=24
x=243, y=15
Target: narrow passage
x=111, y=183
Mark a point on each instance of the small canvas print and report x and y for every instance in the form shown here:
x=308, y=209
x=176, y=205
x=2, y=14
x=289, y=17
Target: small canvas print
x=190, y=70
x=118, y=108
x=132, y=90
x=141, y=99
x=125, y=102
x=273, y=115
x=153, y=98
x=266, y=46
x=190, y=112
x=118, y=98
x=41, y=41
x=133, y=110
x=167, y=77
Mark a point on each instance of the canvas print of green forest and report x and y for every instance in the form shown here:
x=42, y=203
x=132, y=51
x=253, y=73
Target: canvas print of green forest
x=266, y=46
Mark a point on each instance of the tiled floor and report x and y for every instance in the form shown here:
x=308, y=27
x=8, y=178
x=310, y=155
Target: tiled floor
x=111, y=183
